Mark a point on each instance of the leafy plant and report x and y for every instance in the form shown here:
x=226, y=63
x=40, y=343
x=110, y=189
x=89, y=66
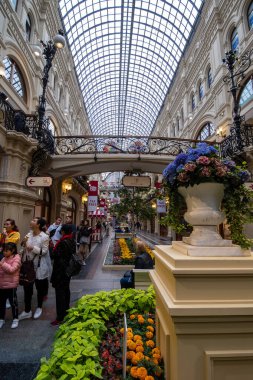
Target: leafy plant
x=75, y=354
x=203, y=164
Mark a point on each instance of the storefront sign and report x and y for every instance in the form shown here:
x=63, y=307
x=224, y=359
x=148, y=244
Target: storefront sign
x=92, y=203
x=136, y=181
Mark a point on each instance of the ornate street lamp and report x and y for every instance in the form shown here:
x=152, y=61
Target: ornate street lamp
x=49, y=51
x=236, y=67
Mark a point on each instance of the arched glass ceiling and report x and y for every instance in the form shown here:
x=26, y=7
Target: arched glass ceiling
x=126, y=53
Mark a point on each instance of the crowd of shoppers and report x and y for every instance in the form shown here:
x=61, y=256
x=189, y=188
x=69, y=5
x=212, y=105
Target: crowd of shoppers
x=41, y=246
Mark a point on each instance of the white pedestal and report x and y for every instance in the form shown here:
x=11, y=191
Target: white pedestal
x=204, y=313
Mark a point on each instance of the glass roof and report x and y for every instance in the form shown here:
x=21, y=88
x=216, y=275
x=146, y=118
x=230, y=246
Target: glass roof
x=126, y=54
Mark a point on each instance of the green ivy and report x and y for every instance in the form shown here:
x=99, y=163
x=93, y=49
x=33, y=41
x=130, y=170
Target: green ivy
x=75, y=354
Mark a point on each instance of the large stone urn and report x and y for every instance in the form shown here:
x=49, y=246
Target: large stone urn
x=203, y=213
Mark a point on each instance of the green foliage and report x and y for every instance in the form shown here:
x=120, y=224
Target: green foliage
x=134, y=203
x=174, y=217
x=75, y=354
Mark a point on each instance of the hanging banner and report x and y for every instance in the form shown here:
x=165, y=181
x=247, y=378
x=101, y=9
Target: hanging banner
x=92, y=196
x=161, y=206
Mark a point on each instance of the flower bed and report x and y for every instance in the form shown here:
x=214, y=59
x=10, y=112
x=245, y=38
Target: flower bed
x=144, y=360
x=121, y=252
x=75, y=354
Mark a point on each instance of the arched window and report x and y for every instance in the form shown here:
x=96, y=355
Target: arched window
x=247, y=93
x=193, y=102
x=250, y=15
x=201, y=91
x=14, y=76
x=182, y=116
x=209, y=77
x=28, y=28
x=178, y=124
x=14, y=4
x=206, y=131
x=234, y=40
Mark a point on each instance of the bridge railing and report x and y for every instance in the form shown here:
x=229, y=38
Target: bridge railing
x=122, y=144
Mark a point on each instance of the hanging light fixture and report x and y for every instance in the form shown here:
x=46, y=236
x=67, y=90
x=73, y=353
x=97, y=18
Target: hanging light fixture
x=66, y=187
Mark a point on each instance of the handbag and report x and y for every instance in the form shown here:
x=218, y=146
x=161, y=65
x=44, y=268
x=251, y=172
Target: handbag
x=27, y=273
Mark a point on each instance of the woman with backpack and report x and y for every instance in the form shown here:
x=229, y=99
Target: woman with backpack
x=62, y=253
x=83, y=239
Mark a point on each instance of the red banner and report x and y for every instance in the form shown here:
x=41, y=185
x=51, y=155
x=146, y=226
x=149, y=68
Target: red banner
x=93, y=188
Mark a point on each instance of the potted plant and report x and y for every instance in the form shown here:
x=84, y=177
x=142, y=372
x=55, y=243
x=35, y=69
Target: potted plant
x=205, y=180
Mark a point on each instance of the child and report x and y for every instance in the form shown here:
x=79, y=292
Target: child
x=9, y=279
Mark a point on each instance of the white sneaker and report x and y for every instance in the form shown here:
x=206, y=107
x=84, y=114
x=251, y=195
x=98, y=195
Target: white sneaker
x=8, y=305
x=25, y=315
x=2, y=322
x=37, y=313
x=14, y=324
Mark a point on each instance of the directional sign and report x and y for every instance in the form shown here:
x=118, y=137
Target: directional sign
x=39, y=181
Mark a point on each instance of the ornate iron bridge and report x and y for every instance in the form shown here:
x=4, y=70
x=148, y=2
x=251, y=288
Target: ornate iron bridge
x=141, y=145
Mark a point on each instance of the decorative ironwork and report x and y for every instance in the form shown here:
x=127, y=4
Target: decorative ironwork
x=229, y=147
x=129, y=144
x=236, y=67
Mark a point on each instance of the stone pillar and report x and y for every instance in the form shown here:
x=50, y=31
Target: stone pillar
x=157, y=225
x=204, y=314
x=16, y=199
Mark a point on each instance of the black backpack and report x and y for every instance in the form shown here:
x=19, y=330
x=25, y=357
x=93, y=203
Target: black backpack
x=75, y=263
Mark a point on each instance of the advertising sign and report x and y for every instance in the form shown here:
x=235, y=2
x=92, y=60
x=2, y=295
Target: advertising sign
x=161, y=206
x=93, y=188
x=92, y=196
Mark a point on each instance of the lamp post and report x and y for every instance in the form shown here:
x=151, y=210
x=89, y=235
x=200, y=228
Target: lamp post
x=49, y=51
x=236, y=67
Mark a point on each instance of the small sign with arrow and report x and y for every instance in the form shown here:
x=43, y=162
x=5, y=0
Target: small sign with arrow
x=39, y=181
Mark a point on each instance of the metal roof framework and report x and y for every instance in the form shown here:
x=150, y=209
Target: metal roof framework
x=126, y=53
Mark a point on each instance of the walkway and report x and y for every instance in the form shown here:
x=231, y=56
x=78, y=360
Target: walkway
x=22, y=349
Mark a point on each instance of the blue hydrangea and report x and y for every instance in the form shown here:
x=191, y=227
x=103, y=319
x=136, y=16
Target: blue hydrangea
x=179, y=168
x=244, y=175
x=181, y=159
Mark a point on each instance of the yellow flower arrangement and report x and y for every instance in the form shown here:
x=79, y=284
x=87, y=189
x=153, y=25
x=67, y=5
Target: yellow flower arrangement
x=125, y=252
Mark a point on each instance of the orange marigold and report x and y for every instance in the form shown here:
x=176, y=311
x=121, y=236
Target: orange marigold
x=158, y=371
x=133, y=372
x=150, y=328
x=139, y=356
x=149, y=378
x=156, y=350
x=131, y=345
x=150, y=320
x=157, y=356
x=130, y=354
x=137, y=337
x=122, y=330
x=142, y=373
x=141, y=320
x=130, y=335
x=150, y=343
x=129, y=329
x=139, y=348
x=132, y=316
x=149, y=334
x=155, y=361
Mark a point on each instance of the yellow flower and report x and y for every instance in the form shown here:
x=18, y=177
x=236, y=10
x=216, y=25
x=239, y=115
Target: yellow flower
x=132, y=316
x=150, y=328
x=150, y=320
x=149, y=378
x=122, y=330
x=156, y=350
x=130, y=335
x=130, y=354
x=141, y=320
x=131, y=345
x=156, y=356
x=155, y=361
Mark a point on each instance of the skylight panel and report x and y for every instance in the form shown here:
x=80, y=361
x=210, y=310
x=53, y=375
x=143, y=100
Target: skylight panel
x=149, y=41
